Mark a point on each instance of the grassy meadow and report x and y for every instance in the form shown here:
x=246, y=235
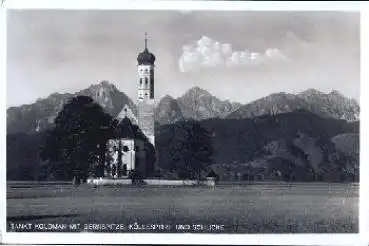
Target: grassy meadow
x=240, y=208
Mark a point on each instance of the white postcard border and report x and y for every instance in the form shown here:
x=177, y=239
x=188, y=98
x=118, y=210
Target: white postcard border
x=178, y=238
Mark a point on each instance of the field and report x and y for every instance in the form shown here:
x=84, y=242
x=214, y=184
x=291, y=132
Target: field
x=241, y=208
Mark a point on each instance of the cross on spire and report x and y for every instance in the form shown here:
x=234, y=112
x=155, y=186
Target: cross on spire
x=145, y=40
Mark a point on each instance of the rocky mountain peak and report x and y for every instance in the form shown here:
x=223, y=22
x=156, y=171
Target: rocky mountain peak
x=109, y=97
x=310, y=92
x=106, y=83
x=199, y=104
x=102, y=89
x=168, y=111
x=196, y=91
x=280, y=96
x=333, y=104
x=336, y=93
x=41, y=114
x=272, y=104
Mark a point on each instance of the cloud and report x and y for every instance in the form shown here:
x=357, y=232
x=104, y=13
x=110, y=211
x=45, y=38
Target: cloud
x=208, y=53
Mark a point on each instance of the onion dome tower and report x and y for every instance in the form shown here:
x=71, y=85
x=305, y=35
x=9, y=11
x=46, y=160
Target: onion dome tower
x=146, y=99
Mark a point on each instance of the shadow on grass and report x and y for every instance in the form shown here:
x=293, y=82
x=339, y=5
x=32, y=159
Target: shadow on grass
x=39, y=217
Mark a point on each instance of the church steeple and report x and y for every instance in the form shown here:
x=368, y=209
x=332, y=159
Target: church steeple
x=146, y=57
x=146, y=98
x=145, y=40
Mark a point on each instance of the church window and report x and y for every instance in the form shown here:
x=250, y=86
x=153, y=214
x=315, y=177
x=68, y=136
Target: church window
x=114, y=170
x=125, y=148
x=124, y=170
x=151, y=87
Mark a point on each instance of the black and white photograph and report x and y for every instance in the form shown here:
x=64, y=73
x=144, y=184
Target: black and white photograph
x=182, y=121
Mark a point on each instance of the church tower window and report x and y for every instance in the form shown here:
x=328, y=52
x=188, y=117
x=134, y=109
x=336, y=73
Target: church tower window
x=152, y=87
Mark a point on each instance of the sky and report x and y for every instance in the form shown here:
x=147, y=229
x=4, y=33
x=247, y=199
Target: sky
x=240, y=56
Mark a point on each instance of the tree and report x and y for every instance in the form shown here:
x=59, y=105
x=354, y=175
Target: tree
x=191, y=149
x=78, y=139
x=22, y=155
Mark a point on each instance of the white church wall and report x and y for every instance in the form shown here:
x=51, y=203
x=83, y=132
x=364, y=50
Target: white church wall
x=127, y=148
x=128, y=153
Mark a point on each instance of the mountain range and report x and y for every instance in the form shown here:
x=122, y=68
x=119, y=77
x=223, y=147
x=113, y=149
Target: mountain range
x=302, y=146
x=196, y=103
x=310, y=136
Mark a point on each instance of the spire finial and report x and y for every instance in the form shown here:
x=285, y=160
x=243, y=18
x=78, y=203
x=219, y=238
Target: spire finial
x=145, y=40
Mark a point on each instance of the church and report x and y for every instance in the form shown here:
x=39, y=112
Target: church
x=133, y=145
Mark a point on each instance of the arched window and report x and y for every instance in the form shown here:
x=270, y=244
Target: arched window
x=146, y=81
x=114, y=170
x=152, y=87
x=146, y=70
x=140, y=81
x=124, y=171
x=125, y=148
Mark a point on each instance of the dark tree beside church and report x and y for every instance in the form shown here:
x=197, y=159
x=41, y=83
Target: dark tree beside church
x=191, y=149
x=76, y=143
